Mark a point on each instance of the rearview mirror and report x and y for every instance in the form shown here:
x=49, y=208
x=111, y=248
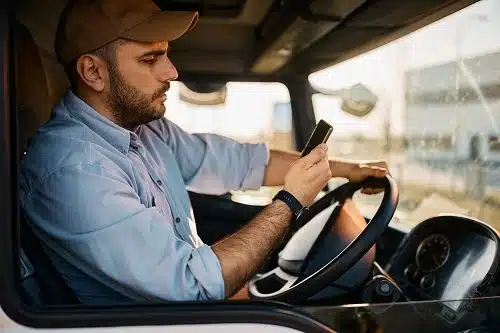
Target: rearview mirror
x=203, y=93
x=357, y=100
x=181, y=5
x=207, y=8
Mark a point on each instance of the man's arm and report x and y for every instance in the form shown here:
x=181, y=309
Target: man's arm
x=280, y=161
x=242, y=253
x=211, y=163
x=96, y=221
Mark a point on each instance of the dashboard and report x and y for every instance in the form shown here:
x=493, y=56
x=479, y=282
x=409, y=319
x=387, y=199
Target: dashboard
x=448, y=258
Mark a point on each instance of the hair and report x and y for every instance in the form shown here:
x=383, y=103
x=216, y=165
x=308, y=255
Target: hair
x=106, y=52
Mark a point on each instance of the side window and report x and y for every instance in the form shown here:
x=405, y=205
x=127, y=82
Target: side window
x=435, y=117
x=252, y=112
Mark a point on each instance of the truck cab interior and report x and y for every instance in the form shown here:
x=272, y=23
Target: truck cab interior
x=443, y=268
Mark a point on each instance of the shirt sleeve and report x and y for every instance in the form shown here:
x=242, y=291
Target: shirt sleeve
x=99, y=224
x=214, y=164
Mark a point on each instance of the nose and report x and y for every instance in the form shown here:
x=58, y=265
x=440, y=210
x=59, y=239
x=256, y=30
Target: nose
x=167, y=71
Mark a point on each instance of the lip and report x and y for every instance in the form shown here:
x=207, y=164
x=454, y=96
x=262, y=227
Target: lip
x=163, y=98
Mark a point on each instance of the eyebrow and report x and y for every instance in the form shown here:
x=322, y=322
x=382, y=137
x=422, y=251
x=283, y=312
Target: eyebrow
x=154, y=53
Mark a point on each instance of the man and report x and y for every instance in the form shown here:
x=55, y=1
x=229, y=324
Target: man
x=104, y=181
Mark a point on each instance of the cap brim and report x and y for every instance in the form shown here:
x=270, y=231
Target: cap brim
x=162, y=26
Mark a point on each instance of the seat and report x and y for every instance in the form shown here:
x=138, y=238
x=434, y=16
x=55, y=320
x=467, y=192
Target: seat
x=41, y=283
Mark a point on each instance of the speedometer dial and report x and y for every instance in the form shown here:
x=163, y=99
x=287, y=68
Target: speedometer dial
x=433, y=253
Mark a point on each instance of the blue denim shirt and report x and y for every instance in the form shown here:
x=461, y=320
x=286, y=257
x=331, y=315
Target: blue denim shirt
x=112, y=209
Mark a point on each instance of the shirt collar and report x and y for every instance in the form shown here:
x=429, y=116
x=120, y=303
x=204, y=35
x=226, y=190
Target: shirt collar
x=115, y=135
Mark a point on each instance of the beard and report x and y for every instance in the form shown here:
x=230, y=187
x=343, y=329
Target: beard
x=131, y=107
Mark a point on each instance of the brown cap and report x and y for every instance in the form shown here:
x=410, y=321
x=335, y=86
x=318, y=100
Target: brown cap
x=86, y=25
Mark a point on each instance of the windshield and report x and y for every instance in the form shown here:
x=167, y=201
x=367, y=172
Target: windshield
x=437, y=116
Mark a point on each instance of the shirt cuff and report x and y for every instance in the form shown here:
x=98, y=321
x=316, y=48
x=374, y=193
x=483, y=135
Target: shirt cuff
x=257, y=167
x=208, y=266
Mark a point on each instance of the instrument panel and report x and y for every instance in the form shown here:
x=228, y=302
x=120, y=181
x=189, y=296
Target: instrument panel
x=448, y=258
x=432, y=253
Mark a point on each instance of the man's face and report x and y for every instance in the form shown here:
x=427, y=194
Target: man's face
x=139, y=77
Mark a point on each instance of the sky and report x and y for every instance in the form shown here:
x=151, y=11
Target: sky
x=248, y=111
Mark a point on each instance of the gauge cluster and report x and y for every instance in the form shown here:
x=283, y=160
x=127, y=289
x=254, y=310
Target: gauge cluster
x=446, y=258
x=432, y=253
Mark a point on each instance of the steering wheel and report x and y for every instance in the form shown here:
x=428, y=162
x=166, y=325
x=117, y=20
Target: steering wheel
x=289, y=280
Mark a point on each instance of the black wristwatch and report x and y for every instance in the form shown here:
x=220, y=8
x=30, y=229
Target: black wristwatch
x=291, y=202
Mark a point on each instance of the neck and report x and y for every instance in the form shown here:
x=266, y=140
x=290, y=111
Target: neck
x=98, y=103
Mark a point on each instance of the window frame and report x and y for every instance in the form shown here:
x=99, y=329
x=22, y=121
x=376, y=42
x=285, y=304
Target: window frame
x=178, y=313
x=167, y=314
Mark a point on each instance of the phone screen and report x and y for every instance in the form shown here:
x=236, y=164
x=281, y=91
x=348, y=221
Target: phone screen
x=320, y=135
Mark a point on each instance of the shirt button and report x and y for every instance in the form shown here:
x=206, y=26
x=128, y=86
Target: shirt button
x=159, y=182
x=177, y=220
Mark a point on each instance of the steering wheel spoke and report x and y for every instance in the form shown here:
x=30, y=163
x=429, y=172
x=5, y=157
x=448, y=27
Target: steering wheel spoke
x=291, y=259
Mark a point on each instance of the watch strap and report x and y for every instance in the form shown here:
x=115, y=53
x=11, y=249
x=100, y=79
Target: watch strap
x=290, y=201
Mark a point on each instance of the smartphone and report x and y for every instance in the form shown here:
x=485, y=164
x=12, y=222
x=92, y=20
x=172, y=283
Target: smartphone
x=320, y=135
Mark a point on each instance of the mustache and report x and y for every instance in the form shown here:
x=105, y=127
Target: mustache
x=160, y=92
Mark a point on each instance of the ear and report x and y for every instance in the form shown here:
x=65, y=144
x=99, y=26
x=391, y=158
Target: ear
x=93, y=71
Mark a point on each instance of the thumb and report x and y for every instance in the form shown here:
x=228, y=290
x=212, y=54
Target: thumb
x=315, y=155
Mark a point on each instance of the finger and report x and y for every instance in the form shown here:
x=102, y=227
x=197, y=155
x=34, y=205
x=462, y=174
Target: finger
x=320, y=170
x=373, y=171
x=380, y=164
x=320, y=181
x=370, y=191
x=367, y=190
x=377, y=190
x=315, y=155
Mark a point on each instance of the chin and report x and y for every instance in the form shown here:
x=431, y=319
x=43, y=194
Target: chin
x=158, y=113
x=161, y=111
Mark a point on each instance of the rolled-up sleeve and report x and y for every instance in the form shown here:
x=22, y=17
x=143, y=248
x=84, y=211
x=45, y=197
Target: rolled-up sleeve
x=99, y=223
x=215, y=164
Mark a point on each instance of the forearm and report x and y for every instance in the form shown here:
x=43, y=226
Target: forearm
x=281, y=161
x=342, y=168
x=244, y=252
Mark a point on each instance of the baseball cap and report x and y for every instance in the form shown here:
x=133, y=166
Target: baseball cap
x=86, y=25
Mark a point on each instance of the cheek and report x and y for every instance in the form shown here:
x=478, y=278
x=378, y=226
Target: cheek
x=142, y=80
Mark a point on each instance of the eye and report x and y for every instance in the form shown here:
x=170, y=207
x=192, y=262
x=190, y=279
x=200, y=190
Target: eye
x=153, y=58
x=150, y=60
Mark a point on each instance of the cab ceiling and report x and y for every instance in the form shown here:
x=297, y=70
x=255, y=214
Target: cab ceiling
x=274, y=37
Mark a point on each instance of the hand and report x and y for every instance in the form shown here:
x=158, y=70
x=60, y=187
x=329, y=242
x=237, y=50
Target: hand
x=362, y=171
x=309, y=175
